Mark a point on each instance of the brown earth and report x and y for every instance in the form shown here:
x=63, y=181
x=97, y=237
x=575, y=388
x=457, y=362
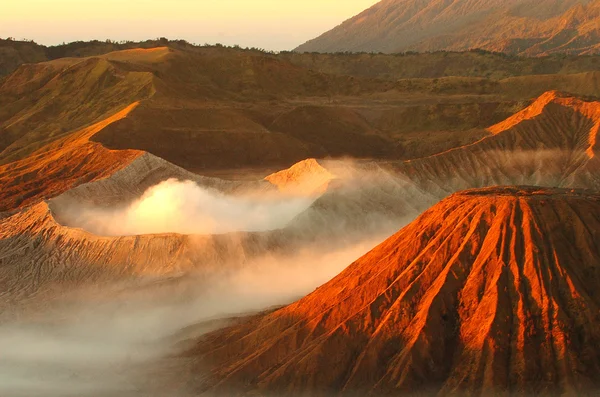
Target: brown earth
x=527, y=27
x=87, y=131
x=55, y=139
x=490, y=291
x=550, y=143
x=216, y=110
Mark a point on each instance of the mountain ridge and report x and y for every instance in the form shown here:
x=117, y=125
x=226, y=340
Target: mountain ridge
x=522, y=27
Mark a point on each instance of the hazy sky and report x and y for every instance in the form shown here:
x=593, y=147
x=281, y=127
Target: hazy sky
x=269, y=24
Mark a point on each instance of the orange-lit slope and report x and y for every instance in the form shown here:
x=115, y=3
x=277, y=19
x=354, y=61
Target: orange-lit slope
x=551, y=143
x=50, y=111
x=491, y=289
x=61, y=165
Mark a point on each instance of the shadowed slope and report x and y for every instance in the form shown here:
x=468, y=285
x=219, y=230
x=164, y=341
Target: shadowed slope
x=42, y=103
x=490, y=290
x=61, y=165
x=209, y=98
x=194, y=102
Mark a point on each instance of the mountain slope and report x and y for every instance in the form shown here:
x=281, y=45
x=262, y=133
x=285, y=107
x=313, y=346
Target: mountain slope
x=491, y=290
x=42, y=103
x=553, y=142
x=192, y=103
x=61, y=123
x=517, y=26
x=62, y=165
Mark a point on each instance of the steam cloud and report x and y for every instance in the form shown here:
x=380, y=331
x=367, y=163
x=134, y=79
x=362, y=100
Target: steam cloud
x=184, y=207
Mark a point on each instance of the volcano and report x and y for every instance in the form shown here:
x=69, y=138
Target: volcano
x=491, y=290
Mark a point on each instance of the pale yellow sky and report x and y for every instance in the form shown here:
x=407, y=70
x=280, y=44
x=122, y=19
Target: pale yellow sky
x=269, y=24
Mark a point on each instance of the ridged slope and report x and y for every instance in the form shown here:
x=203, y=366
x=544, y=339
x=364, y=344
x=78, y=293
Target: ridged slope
x=551, y=143
x=490, y=290
x=42, y=103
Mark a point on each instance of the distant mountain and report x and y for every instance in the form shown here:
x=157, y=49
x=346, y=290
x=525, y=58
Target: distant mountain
x=526, y=27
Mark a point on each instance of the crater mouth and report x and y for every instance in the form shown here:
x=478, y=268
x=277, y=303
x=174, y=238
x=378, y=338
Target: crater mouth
x=530, y=192
x=184, y=207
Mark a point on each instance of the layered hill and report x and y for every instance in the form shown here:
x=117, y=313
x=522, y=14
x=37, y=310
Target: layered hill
x=87, y=132
x=553, y=142
x=193, y=104
x=524, y=27
x=59, y=166
x=186, y=105
x=489, y=291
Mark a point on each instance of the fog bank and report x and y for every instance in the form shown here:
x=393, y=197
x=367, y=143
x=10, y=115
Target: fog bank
x=107, y=340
